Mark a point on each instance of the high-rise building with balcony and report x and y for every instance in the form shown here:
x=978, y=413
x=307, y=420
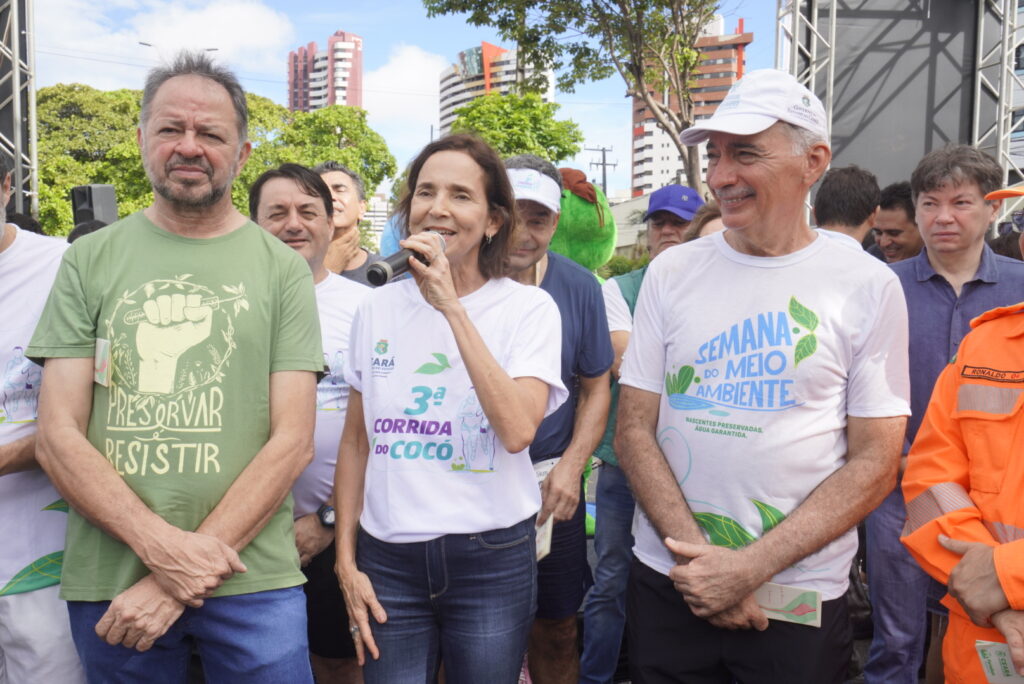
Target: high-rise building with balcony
x=656, y=160
x=480, y=70
x=319, y=78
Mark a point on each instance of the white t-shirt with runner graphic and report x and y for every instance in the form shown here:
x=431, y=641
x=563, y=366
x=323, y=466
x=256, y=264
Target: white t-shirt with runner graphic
x=336, y=300
x=759, y=361
x=33, y=517
x=436, y=467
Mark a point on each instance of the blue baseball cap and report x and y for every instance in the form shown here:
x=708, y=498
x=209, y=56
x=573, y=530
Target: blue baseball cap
x=677, y=199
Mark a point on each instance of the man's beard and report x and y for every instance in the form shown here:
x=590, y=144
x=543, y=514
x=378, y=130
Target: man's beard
x=185, y=200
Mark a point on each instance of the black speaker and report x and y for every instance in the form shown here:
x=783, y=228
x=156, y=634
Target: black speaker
x=90, y=202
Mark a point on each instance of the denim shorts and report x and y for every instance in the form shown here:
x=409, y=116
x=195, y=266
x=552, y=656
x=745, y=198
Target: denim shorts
x=255, y=638
x=471, y=597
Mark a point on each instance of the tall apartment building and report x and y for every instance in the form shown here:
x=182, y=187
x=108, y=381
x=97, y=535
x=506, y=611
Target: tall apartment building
x=656, y=161
x=317, y=79
x=480, y=70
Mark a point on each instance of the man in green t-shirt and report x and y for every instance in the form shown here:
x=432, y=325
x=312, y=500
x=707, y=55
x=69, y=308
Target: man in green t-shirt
x=181, y=348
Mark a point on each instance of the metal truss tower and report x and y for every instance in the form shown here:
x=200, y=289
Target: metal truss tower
x=995, y=82
x=805, y=45
x=18, y=101
x=807, y=48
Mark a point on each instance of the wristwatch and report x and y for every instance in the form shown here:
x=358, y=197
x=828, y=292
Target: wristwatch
x=326, y=515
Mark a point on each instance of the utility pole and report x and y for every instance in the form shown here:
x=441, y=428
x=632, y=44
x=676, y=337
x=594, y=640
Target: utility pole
x=604, y=164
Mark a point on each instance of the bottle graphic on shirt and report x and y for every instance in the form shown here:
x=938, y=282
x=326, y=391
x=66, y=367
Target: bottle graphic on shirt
x=19, y=394
x=477, y=438
x=330, y=389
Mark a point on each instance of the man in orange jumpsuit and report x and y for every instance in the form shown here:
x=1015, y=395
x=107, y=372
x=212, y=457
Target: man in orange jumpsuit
x=965, y=521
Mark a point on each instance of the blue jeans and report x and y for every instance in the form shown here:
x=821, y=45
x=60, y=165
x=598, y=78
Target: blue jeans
x=899, y=597
x=604, y=613
x=255, y=638
x=470, y=597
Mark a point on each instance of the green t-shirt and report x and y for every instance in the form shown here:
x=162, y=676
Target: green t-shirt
x=195, y=328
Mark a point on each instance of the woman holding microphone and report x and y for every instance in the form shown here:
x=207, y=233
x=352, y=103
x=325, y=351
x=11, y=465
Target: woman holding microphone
x=451, y=373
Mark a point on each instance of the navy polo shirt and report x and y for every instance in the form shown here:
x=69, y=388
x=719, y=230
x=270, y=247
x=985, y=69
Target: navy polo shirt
x=586, y=345
x=939, y=319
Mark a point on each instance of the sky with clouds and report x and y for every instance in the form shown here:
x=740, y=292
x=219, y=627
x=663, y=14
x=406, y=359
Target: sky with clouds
x=98, y=44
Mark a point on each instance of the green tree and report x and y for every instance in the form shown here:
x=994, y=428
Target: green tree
x=86, y=136
x=337, y=132
x=649, y=43
x=89, y=136
x=519, y=124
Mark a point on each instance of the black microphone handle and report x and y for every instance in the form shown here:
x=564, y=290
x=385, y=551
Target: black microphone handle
x=380, y=272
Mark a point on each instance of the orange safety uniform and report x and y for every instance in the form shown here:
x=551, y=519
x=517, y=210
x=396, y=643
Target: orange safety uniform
x=965, y=474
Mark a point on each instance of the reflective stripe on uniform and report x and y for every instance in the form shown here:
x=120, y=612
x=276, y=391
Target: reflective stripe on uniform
x=1003, y=533
x=934, y=502
x=987, y=399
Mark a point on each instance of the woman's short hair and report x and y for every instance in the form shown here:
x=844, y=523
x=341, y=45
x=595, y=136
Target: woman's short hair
x=705, y=215
x=501, y=203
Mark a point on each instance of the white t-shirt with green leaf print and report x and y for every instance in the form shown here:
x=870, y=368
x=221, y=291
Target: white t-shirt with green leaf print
x=759, y=361
x=436, y=465
x=33, y=517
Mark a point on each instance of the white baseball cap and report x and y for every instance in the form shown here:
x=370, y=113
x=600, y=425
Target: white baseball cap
x=757, y=101
x=529, y=184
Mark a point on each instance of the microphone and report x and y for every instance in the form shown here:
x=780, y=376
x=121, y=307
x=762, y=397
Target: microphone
x=380, y=272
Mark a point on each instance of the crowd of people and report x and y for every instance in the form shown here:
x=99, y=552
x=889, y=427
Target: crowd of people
x=218, y=445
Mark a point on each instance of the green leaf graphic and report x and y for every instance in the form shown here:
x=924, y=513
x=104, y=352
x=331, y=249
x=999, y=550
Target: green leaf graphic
x=58, y=505
x=680, y=382
x=434, y=368
x=770, y=516
x=802, y=315
x=806, y=346
x=723, y=530
x=42, y=572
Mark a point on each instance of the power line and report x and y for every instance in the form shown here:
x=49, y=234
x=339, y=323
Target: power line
x=604, y=164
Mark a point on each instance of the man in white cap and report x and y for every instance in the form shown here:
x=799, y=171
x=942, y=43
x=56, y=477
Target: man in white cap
x=566, y=439
x=762, y=408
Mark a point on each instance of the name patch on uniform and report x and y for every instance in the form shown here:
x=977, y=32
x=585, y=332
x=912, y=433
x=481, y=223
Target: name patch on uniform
x=993, y=374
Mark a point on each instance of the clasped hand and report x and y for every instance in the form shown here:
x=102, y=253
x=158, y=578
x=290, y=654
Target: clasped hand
x=717, y=584
x=973, y=581
x=139, y=615
x=190, y=566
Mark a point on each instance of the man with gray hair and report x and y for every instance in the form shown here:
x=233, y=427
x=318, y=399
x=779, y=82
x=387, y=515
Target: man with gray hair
x=565, y=439
x=345, y=256
x=762, y=406
x=177, y=408
x=35, y=640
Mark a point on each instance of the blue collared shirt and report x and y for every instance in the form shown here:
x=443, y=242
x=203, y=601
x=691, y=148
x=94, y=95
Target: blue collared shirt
x=939, y=319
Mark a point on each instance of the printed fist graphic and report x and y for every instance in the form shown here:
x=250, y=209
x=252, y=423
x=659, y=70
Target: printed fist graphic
x=173, y=325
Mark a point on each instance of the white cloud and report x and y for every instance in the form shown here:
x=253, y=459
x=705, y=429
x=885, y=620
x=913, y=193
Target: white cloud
x=401, y=98
x=98, y=44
